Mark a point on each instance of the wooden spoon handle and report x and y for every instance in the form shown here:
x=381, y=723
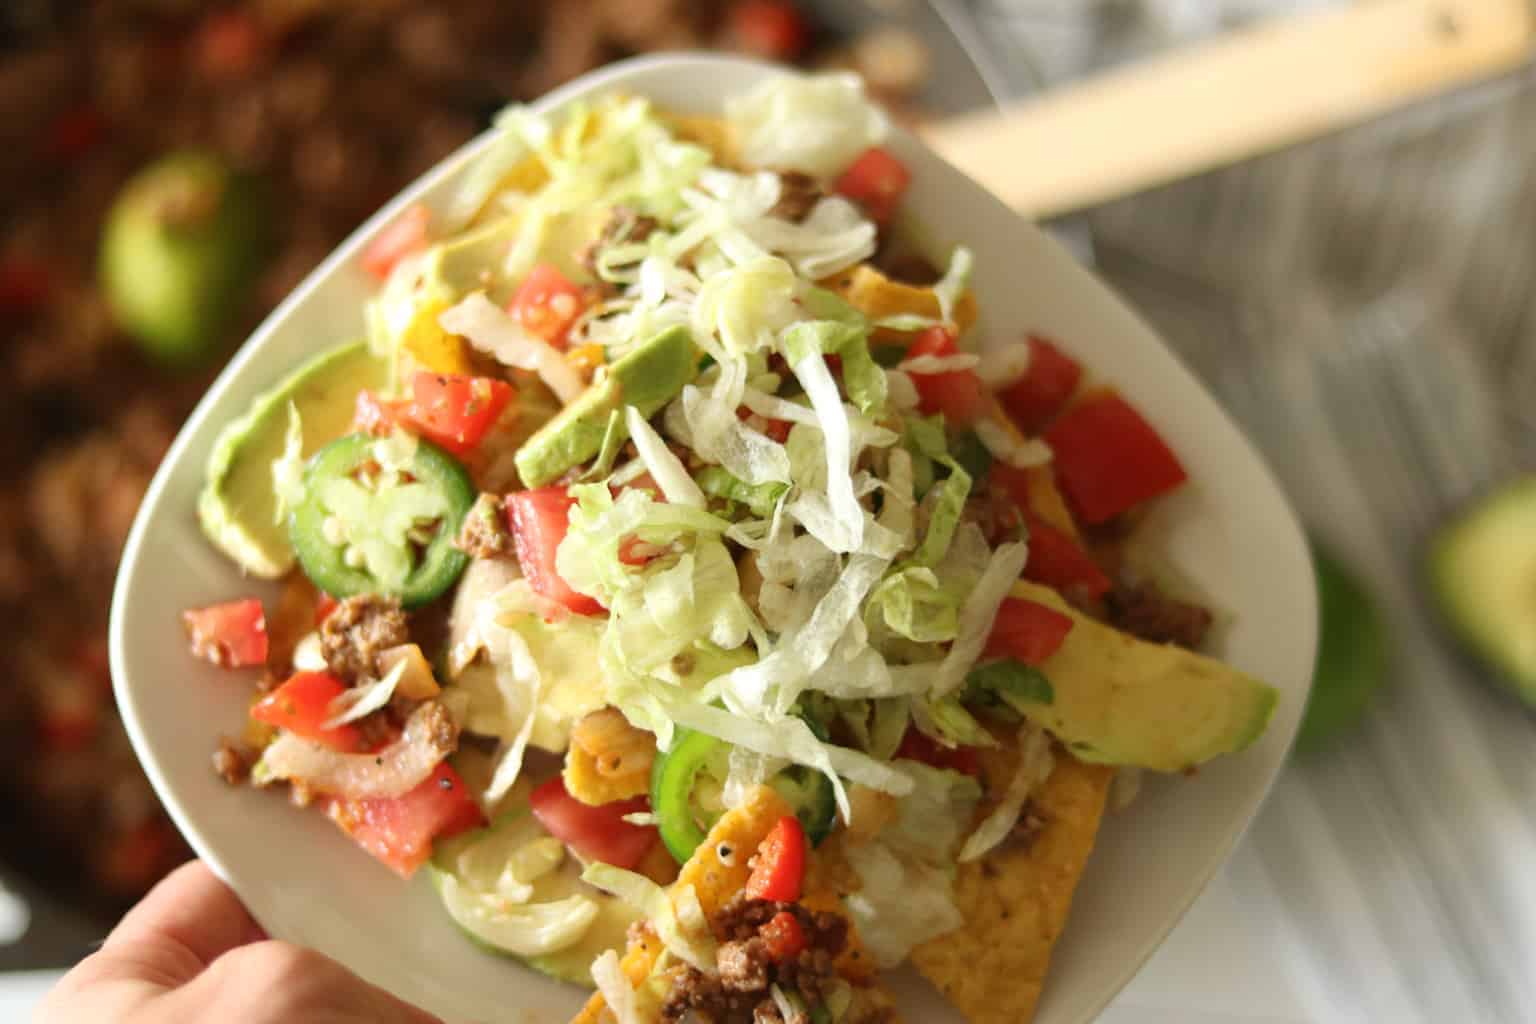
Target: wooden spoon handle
x=1233, y=97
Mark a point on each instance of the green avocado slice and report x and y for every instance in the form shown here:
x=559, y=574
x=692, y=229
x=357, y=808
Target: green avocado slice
x=1123, y=701
x=646, y=378
x=458, y=869
x=238, y=504
x=1482, y=576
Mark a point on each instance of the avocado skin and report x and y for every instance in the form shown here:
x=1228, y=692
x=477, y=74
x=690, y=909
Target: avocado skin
x=647, y=378
x=1124, y=701
x=182, y=244
x=237, y=505
x=1351, y=654
x=1481, y=574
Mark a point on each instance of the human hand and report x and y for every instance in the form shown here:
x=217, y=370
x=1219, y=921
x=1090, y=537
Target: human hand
x=191, y=952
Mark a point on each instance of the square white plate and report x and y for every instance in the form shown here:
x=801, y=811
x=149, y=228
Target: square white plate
x=1229, y=531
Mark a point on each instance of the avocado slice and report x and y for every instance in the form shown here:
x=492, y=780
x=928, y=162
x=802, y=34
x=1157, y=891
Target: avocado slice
x=181, y=246
x=466, y=865
x=646, y=378
x=1482, y=576
x=1120, y=700
x=1351, y=654
x=238, y=504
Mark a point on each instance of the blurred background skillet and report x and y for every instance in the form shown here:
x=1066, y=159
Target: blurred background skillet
x=307, y=114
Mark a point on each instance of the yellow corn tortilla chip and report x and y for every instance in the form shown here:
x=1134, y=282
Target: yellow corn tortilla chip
x=877, y=296
x=716, y=882
x=1015, y=900
x=584, y=782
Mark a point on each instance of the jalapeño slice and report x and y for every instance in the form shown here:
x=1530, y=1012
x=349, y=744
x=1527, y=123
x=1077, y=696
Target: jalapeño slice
x=680, y=776
x=382, y=520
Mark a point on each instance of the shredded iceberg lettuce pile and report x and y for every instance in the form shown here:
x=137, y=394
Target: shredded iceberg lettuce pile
x=802, y=527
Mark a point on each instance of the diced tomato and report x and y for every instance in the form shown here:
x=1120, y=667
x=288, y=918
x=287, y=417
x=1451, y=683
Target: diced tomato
x=24, y=287
x=596, y=833
x=1057, y=560
x=453, y=410
x=74, y=133
x=784, y=936
x=770, y=28
x=547, y=303
x=958, y=394
x=780, y=868
x=324, y=606
x=1026, y=631
x=917, y=746
x=539, y=520
x=1050, y=380
x=877, y=181
x=230, y=44
x=406, y=236
x=302, y=705
x=400, y=831
x=231, y=635
x=1109, y=459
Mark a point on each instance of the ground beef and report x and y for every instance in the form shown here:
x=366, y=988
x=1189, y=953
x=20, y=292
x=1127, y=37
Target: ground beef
x=739, y=994
x=1143, y=610
x=484, y=533
x=360, y=628
x=798, y=195
x=232, y=762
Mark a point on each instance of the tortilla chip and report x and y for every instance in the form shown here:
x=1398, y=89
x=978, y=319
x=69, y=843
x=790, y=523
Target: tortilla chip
x=584, y=782
x=605, y=735
x=877, y=296
x=742, y=830
x=1015, y=903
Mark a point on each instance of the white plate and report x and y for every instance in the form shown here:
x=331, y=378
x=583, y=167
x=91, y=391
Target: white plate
x=1230, y=531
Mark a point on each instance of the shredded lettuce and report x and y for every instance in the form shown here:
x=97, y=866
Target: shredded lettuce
x=613, y=985
x=901, y=904
x=811, y=123
x=954, y=282
x=614, y=436
x=678, y=919
x=762, y=499
x=1036, y=762
x=662, y=463
x=945, y=504
x=364, y=699
x=976, y=616
x=288, y=468
x=491, y=330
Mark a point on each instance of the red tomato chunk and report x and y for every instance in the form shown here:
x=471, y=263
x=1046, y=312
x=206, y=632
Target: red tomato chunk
x=784, y=936
x=455, y=411
x=1026, y=631
x=918, y=746
x=958, y=394
x=400, y=831
x=1039, y=395
x=1056, y=560
x=539, y=520
x=780, y=868
x=547, y=303
x=1109, y=459
x=877, y=181
x=596, y=833
x=302, y=705
x=231, y=635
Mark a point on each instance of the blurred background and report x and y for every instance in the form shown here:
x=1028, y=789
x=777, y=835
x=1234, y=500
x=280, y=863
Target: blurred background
x=1360, y=302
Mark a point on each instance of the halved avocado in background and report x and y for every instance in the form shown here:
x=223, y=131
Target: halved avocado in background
x=182, y=245
x=1481, y=570
x=1351, y=653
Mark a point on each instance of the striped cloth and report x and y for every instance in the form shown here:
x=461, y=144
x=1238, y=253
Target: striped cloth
x=1365, y=306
